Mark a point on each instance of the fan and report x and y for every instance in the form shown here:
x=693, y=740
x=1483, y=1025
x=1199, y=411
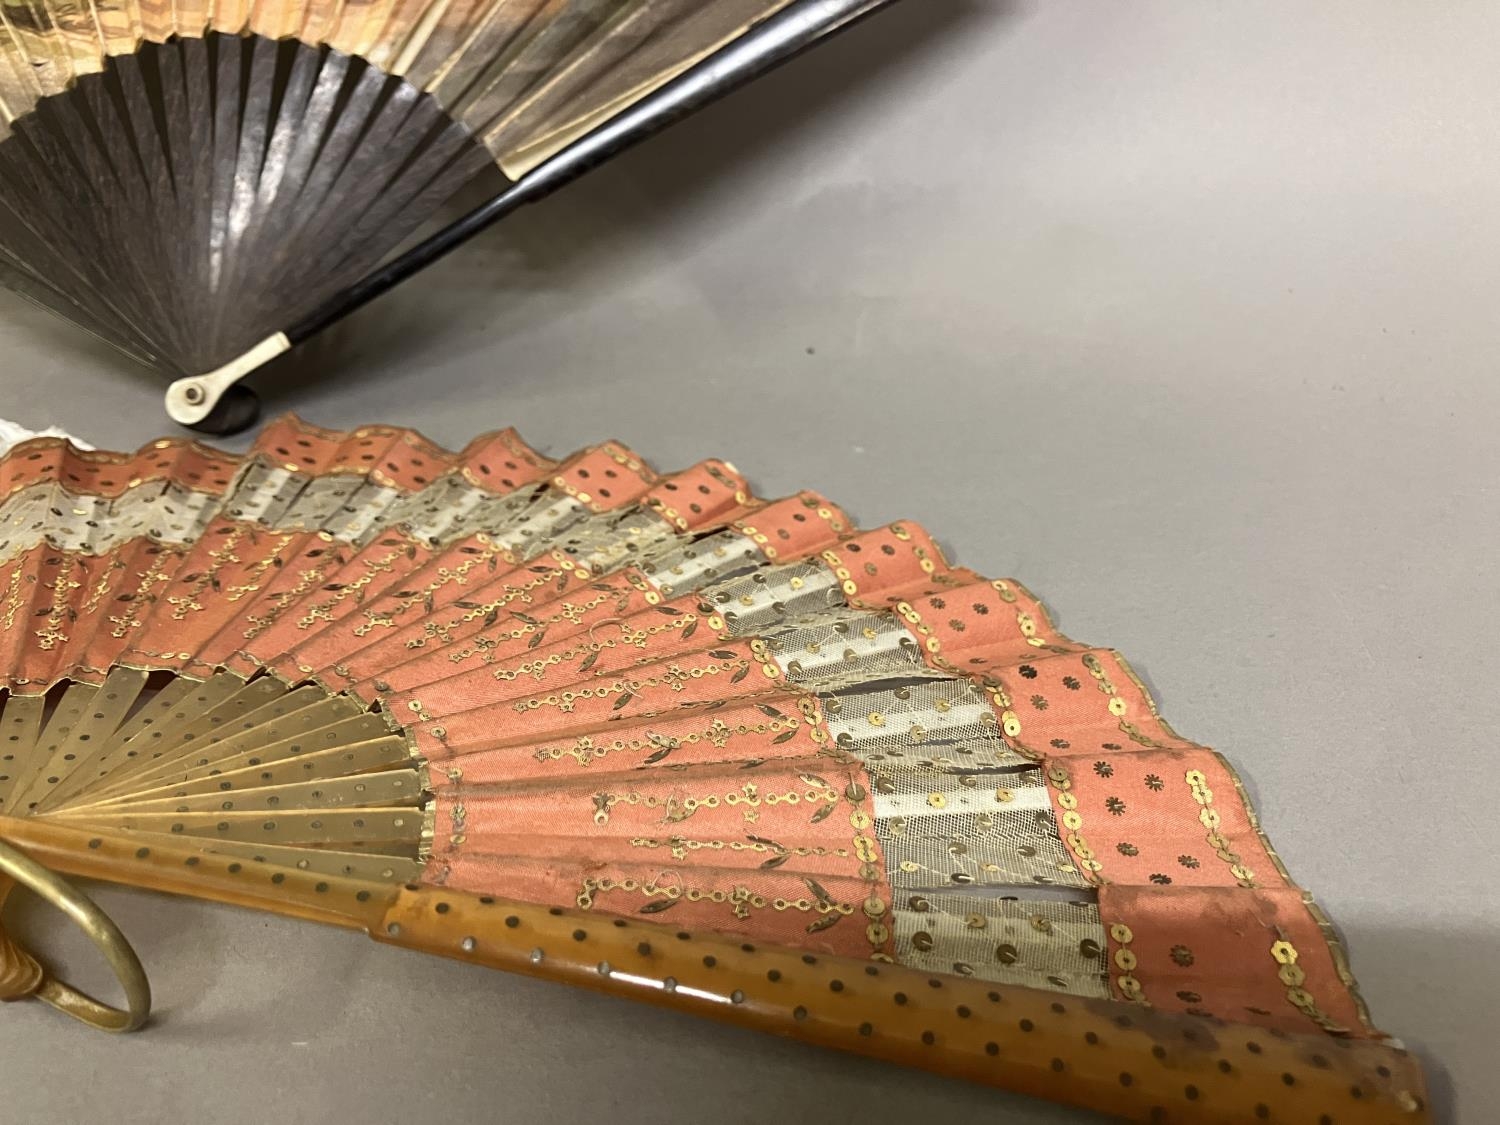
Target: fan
x=654, y=735
x=205, y=186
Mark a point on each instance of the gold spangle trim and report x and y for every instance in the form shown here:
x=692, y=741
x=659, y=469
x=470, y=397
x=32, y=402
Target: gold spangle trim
x=1331, y=938
x=1071, y=822
x=385, y=480
x=1253, y=818
x=999, y=699
x=842, y=571
x=1284, y=953
x=821, y=508
x=117, y=457
x=1124, y=959
x=617, y=453
x=726, y=474
x=659, y=507
x=447, y=459
x=1208, y=816
x=741, y=899
x=672, y=516
x=369, y=429
x=187, y=676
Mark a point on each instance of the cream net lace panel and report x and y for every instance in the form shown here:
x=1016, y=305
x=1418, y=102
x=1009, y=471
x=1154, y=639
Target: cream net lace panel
x=707, y=560
x=614, y=540
x=355, y=508
x=755, y=602
x=452, y=508
x=1038, y=944
x=514, y=520
x=271, y=494
x=955, y=805
x=166, y=512
x=846, y=646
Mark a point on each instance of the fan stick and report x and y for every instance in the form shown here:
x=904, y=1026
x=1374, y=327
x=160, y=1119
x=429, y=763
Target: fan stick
x=379, y=754
x=1103, y=1055
x=80, y=726
x=780, y=38
x=18, y=734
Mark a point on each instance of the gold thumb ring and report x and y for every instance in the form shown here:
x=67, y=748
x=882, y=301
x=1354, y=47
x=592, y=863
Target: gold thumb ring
x=101, y=931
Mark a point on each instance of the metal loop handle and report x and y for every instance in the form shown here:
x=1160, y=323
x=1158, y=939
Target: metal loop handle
x=101, y=931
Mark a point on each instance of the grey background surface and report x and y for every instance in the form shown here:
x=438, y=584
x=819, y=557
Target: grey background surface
x=1185, y=314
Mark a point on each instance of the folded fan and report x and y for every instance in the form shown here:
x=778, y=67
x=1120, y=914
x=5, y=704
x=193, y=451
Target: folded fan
x=653, y=734
x=204, y=186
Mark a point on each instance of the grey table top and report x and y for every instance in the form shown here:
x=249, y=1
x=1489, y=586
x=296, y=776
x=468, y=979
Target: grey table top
x=1183, y=314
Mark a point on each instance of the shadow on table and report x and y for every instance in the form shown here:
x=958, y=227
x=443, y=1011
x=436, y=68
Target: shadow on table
x=554, y=245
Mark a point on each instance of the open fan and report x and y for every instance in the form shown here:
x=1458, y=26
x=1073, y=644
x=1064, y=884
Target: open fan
x=205, y=186
x=650, y=734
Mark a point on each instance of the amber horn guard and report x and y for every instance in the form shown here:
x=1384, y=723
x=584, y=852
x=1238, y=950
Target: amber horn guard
x=1113, y=1057
x=1110, y=1056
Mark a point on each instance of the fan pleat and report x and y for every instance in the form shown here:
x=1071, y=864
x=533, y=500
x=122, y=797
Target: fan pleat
x=586, y=684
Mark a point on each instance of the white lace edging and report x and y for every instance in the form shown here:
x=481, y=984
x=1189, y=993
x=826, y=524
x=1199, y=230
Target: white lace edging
x=13, y=433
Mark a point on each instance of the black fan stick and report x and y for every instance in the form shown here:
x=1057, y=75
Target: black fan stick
x=182, y=194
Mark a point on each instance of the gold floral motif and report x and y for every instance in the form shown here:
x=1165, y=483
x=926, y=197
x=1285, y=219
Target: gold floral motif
x=748, y=798
x=142, y=598
x=635, y=638
x=587, y=751
x=681, y=846
x=222, y=556
x=13, y=595
x=674, y=678
x=259, y=571
x=488, y=611
x=101, y=588
x=323, y=611
x=374, y=619
x=259, y=622
x=572, y=612
x=663, y=895
x=51, y=633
